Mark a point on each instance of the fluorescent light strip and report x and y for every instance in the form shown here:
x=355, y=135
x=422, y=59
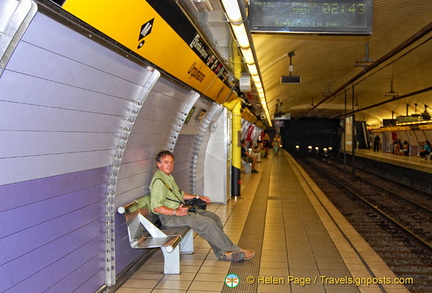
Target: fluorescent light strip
x=233, y=11
x=241, y=35
x=248, y=55
x=234, y=15
x=253, y=71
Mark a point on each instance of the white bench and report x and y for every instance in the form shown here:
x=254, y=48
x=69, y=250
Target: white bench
x=143, y=234
x=247, y=166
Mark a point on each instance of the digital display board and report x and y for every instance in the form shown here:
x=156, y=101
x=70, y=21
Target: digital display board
x=311, y=16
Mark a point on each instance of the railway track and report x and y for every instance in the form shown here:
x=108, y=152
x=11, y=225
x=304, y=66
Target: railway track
x=408, y=208
x=394, y=219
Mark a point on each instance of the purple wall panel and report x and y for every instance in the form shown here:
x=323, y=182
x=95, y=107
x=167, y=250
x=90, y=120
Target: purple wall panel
x=18, y=244
x=88, y=272
x=127, y=258
x=23, y=193
x=26, y=216
x=124, y=253
x=39, y=259
x=54, y=274
x=54, y=232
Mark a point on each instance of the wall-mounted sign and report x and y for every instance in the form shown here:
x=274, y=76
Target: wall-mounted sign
x=158, y=31
x=311, y=16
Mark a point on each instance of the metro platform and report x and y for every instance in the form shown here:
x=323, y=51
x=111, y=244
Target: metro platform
x=302, y=243
x=411, y=162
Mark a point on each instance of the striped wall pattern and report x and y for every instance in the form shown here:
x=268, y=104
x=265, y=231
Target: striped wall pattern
x=80, y=126
x=60, y=130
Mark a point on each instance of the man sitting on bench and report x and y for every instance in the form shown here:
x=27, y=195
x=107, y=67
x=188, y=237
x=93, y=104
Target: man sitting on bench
x=168, y=202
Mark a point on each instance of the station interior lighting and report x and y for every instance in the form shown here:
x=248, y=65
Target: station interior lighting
x=238, y=26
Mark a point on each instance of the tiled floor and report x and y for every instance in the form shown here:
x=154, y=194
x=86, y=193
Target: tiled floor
x=303, y=239
x=199, y=272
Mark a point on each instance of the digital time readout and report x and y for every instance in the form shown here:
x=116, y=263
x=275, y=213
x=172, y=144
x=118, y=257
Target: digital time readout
x=350, y=17
x=336, y=8
x=325, y=8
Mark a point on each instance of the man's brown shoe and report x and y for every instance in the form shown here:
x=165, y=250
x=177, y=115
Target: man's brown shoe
x=234, y=256
x=248, y=253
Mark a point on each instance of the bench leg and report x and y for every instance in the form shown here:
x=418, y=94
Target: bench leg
x=171, y=261
x=187, y=245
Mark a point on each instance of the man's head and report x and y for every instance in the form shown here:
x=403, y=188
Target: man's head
x=165, y=161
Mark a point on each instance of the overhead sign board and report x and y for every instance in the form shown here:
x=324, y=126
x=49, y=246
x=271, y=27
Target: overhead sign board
x=311, y=16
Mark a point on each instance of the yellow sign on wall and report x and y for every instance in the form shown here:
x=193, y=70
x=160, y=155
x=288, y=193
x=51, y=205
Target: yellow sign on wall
x=138, y=27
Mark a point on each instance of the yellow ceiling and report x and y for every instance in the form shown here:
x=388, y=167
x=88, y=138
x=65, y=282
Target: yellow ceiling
x=328, y=63
x=400, y=47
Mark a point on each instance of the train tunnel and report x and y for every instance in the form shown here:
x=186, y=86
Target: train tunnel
x=91, y=91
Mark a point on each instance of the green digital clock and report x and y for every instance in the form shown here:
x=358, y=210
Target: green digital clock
x=311, y=16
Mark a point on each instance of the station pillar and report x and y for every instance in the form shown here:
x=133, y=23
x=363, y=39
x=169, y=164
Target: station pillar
x=236, y=150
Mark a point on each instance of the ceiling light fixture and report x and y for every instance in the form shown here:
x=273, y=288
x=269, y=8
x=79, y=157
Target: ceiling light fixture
x=291, y=79
x=240, y=31
x=391, y=92
x=366, y=60
x=328, y=92
x=253, y=70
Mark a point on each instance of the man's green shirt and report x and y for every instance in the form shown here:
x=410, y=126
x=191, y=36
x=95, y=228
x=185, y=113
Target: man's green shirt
x=164, y=191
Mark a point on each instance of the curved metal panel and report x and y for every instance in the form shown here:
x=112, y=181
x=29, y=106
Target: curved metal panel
x=113, y=177
x=15, y=16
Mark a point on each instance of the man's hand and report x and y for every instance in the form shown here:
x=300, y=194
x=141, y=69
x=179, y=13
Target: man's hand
x=182, y=211
x=205, y=199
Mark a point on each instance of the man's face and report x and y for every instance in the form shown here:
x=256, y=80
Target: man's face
x=166, y=164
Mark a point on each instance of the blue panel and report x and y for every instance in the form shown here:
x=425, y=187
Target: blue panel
x=124, y=253
x=46, y=210
x=29, y=192
x=53, y=235
x=87, y=274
